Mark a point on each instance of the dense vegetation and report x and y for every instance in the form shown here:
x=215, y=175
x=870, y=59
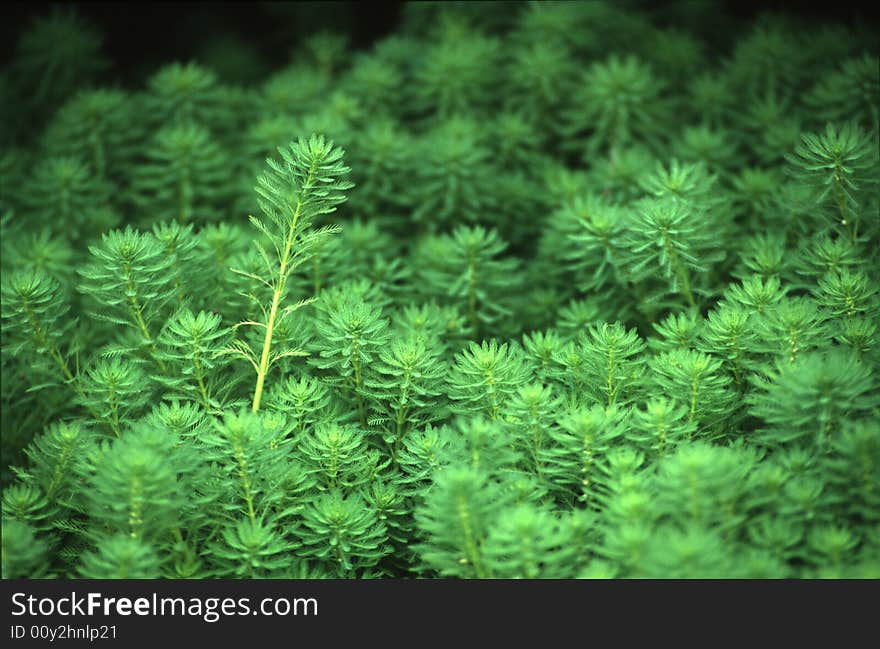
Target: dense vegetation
x=550, y=290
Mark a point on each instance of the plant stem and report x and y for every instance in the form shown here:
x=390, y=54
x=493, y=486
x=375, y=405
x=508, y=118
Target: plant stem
x=277, y=295
x=245, y=481
x=55, y=355
x=136, y=311
x=609, y=385
x=358, y=384
x=472, y=294
x=201, y=381
x=471, y=551
x=270, y=325
x=680, y=273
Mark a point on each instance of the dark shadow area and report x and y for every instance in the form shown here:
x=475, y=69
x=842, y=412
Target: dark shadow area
x=141, y=35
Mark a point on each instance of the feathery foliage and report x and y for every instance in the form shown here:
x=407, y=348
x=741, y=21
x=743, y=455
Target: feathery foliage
x=597, y=298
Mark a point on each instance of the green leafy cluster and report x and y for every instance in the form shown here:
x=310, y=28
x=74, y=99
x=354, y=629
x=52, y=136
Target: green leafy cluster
x=549, y=290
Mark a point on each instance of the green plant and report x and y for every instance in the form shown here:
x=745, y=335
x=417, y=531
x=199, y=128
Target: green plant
x=183, y=176
x=343, y=533
x=466, y=268
x=453, y=179
x=602, y=304
x=583, y=436
x=836, y=164
x=189, y=345
x=485, y=377
x=98, y=126
x=129, y=278
x=64, y=190
x=674, y=238
x=808, y=397
x=456, y=519
x=350, y=339
x=54, y=56
x=305, y=184
x=404, y=388
x=850, y=89
x=35, y=321
x=620, y=101
x=454, y=76
x=183, y=93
